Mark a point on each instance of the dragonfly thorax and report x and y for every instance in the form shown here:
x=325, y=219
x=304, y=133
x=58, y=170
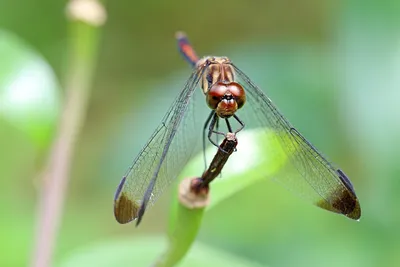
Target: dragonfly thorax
x=217, y=69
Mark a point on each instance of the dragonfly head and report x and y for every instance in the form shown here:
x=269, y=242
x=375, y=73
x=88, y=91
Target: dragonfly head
x=223, y=94
x=226, y=98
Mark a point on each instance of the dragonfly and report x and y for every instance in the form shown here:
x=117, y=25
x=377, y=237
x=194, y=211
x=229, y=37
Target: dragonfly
x=229, y=102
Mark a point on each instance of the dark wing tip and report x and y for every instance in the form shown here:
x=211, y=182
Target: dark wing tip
x=353, y=210
x=343, y=200
x=343, y=204
x=141, y=213
x=119, y=188
x=345, y=180
x=146, y=199
x=356, y=213
x=125, y=209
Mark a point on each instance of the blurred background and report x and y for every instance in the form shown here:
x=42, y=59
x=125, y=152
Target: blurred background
x=332, y=67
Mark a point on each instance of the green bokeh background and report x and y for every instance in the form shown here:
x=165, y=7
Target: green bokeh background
x=332, y=67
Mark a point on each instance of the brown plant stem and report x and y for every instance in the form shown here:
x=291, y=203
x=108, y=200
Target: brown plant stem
x=54, y=182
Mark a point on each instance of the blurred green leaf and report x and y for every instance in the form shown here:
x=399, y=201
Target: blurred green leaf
x=143, y=251
x=29, y=91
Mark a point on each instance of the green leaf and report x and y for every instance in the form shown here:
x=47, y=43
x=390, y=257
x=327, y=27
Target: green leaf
x=143, y=250
x=29, y=91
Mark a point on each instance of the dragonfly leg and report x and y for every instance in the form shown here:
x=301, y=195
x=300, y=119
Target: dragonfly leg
x=204, y=136
x=211, y=130
x=240, y=122
x=228, y=125
x=217, y=130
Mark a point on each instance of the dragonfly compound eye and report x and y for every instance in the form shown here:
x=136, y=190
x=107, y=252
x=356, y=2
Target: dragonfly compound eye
x=215, y=95
x=238, y=93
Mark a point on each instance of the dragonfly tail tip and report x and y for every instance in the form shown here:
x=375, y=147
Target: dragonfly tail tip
x=180, y=35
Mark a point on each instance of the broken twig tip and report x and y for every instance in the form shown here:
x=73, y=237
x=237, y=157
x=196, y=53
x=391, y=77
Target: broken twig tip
x=192, y=195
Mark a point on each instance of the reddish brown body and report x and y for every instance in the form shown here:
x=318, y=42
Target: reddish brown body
x=222, y=94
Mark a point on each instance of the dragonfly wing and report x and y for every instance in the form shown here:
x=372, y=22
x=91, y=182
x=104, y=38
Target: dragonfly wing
x=162, y=158
x=307, y=172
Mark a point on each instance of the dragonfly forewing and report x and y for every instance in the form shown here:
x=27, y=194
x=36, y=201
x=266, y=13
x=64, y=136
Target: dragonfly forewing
x=163, y=157
x=307, y=172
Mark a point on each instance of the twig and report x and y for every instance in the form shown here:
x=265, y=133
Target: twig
x=193, y=198
x=81, y=57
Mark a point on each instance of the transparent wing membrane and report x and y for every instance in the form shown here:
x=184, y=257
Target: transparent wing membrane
x=307, y=172
x=165, y=154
